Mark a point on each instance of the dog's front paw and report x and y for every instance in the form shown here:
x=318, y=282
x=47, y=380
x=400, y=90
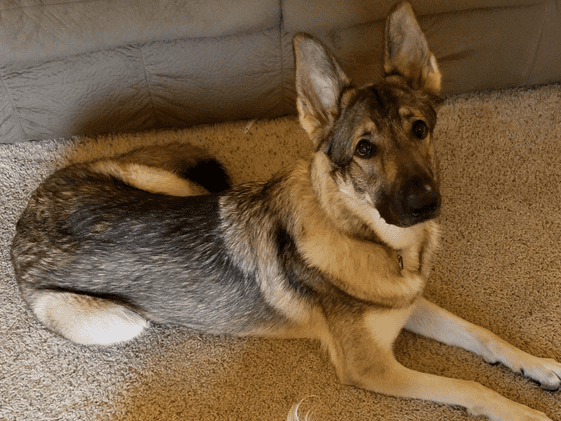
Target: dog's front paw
x=523, y=413
x=545, y=371
x=502, y=409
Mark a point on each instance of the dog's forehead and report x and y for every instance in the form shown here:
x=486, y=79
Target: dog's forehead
x=384, y=102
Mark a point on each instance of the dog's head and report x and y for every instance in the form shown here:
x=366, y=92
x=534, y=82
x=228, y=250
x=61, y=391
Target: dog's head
x=376, y=139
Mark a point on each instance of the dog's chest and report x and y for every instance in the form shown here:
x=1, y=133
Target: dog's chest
x=385, y=324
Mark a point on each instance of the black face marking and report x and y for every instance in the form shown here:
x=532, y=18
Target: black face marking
x=377, y=96
x=298, y=274
x=340, y=147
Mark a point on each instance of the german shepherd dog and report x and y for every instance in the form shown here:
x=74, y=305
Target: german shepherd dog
x=336, y=249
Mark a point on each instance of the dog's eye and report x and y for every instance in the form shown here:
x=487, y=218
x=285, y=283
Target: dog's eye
x=420, y=129
x=365, y=149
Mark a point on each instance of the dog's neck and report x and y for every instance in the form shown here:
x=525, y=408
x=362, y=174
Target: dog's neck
x=347, y=260
x=360, y=219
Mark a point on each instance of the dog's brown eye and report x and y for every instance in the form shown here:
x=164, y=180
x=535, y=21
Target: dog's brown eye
x=365, y=149
x=420, y=129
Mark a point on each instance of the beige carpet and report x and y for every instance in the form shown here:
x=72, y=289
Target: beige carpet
x=499, y=266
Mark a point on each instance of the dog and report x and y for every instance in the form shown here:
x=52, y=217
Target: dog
x=338, y=248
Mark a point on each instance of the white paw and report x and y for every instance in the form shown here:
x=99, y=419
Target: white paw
x=545, y=371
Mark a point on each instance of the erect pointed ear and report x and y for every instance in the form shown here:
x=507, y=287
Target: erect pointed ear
x=319, y=84
x=407, y=51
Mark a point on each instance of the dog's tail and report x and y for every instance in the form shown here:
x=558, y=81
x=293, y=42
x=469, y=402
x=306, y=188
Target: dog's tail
x=176, y=169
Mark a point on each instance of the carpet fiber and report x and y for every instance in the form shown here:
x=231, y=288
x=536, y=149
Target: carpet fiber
x=499, y=265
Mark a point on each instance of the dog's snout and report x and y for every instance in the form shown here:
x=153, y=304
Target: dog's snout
x=421, y=198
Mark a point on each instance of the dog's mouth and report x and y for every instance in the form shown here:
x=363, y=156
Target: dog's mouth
x=426, y=213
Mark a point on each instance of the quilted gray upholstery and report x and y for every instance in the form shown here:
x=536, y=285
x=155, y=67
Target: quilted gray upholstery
x=92, y=66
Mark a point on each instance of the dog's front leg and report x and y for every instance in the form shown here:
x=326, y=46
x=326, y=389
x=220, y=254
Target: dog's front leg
x=361, y=350
x=391, y=378
x=432, y=321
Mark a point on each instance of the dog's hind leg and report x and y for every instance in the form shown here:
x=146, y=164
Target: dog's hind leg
x=430, y=320
x=85, y=319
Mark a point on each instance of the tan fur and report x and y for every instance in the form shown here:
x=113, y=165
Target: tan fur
x=349, y=261
x=148, y=178
x=385, y=324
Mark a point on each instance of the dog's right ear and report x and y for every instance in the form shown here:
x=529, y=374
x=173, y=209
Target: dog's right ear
x=319, y=84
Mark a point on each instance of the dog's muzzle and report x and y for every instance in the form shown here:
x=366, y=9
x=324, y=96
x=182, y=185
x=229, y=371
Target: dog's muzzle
x=416, y=200
x=421, y=199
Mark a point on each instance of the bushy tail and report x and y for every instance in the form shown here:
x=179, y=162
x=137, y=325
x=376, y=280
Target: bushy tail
x=176, y=169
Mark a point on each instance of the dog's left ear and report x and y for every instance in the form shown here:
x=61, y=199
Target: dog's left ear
x=407, y=51
x=319, y=84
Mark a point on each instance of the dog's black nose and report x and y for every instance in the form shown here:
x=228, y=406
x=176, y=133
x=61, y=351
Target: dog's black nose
x=421, y=198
